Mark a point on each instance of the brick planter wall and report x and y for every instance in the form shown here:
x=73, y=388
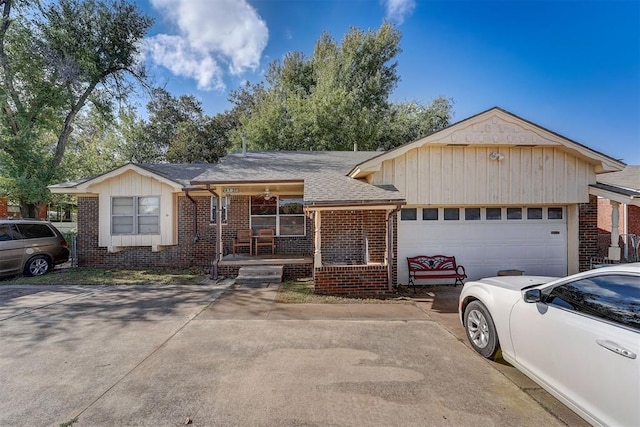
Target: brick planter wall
x=345, y=235
x=351, y=280
x=588, y=232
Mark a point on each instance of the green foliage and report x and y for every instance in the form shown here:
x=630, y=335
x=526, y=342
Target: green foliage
x=337, y=99
x=178, y=131
x=55, y=58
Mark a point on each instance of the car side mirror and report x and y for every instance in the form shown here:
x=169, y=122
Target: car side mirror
x=532, y=295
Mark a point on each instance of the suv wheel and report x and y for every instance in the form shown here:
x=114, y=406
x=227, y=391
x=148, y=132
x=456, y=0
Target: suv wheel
x=37, y=266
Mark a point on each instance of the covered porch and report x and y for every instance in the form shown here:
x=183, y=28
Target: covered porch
x=619, y=198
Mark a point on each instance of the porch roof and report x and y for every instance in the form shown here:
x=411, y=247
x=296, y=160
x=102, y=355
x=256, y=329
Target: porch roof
x=623, y=186
x=324, y=174
x=339, y=190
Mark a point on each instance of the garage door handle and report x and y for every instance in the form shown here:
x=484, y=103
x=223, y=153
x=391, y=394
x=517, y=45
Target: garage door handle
x=610, y=345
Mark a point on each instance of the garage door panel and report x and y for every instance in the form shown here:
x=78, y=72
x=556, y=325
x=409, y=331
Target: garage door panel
x=485, y=247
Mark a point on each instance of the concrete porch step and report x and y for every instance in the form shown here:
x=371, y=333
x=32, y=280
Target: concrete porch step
x=260, y=274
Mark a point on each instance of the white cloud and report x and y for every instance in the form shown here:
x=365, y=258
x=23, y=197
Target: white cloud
x=209, y=35
x=397, y=10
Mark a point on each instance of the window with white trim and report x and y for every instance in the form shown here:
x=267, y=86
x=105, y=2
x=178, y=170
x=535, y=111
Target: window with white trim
x=135, y=215
x=283, y=214
x=214, y=209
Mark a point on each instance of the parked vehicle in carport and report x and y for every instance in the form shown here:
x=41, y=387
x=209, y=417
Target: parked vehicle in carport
x=31, y=247
x=578, y=337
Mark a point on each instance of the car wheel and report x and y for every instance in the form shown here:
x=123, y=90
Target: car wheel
x=37, y=266
x=480, y=329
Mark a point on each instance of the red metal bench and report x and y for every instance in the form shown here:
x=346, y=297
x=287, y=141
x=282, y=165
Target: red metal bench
x=435, y=267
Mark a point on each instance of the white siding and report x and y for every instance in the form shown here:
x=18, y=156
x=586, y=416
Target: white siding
x=131, y=184
x=451, y=175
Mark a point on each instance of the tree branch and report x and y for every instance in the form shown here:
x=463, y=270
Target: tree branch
x=4, y=63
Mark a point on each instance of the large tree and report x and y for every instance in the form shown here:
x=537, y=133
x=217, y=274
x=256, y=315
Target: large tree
x=178, y=131
x=55, y=58
x=338, y=99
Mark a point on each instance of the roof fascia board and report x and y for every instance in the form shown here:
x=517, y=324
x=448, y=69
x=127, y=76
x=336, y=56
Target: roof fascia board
x=247, y=182
x=71, y=190
x=616, y=197
x=359, y=207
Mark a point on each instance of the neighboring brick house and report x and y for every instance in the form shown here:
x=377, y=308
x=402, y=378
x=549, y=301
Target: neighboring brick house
x=619, y=202
x=494, y=190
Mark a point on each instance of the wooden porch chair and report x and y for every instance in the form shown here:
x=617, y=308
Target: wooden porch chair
x=243, y=240
x=266, y=237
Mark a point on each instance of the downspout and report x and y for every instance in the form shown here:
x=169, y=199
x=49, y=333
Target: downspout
x=217, y=256
x=195, y=214
x=390, y=259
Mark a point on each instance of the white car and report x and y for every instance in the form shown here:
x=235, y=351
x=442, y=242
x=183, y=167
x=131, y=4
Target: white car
x=578, y=337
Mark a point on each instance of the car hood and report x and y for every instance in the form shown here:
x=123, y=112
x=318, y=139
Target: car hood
x=515, y=283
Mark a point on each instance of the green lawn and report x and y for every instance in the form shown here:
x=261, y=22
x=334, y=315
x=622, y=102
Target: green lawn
x=291, y=292
x=301, y=292
x=97, y=276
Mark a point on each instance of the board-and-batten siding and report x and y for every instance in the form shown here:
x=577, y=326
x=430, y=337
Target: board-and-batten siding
x=133, y=184
x=448, y=175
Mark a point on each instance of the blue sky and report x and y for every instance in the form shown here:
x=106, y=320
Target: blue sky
x=572, y=67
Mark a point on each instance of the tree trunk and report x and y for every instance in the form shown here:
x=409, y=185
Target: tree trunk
x=33, y=210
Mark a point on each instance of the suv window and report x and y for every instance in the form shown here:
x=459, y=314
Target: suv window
x=35, y=231
x=5, y=233
x=614, y=297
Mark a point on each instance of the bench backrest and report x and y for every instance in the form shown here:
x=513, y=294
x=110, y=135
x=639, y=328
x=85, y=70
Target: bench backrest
x=432, y=263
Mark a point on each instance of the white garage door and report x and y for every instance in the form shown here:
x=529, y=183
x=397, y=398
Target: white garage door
x=486, y=240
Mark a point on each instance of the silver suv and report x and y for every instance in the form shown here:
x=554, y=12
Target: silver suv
x=30, y=246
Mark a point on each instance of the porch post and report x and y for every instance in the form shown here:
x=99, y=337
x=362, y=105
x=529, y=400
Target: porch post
x=317, y=238
x=614, y=249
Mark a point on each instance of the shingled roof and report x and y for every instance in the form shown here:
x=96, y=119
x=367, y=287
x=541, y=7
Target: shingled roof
x=628, y=178
x=180, y=173
x=281, y=165
x=626, y=182
x=324, y=174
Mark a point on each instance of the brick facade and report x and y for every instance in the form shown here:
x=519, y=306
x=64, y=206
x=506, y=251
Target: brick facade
x=238, y=218
x=195, y=249
x=196, y=239
x=347, y=237
x=346, y=234
x=3, y=208
x=604, y=225
x=588, y=233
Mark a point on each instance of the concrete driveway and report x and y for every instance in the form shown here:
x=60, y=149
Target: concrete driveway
x=166, y=356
